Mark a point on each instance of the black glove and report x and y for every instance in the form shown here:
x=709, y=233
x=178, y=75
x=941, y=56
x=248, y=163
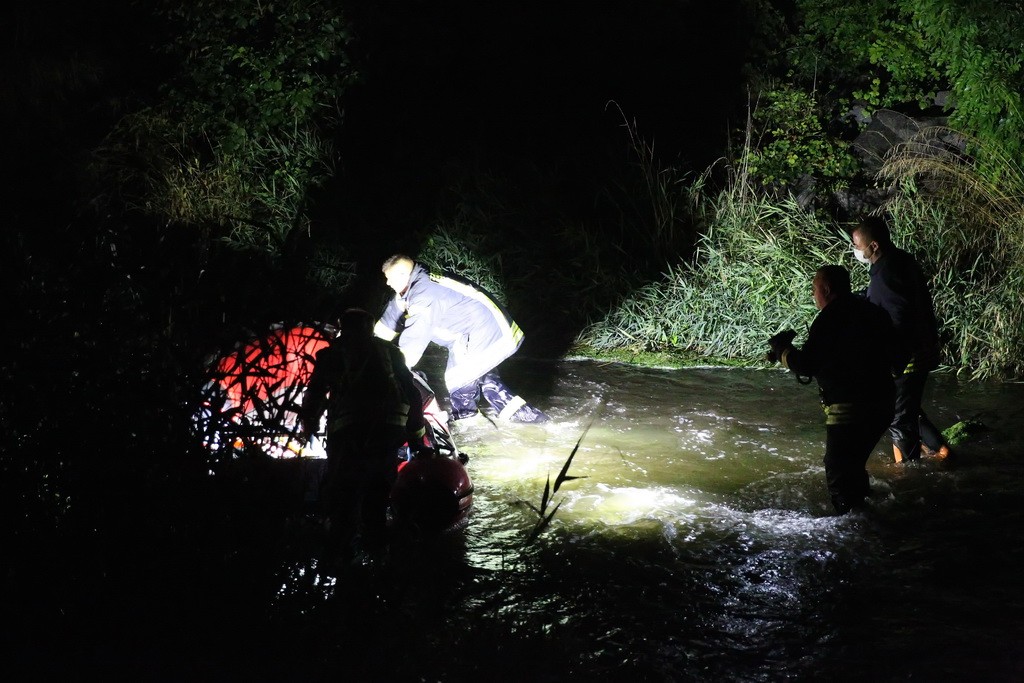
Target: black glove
x=779, y=343
x=421, y=443
x=421, y=450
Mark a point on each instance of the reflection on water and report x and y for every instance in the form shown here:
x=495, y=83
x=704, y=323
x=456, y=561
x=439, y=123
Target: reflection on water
x=697, y=543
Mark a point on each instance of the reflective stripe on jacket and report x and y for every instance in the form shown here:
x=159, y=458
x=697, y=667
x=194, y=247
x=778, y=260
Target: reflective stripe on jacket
x=457, y=314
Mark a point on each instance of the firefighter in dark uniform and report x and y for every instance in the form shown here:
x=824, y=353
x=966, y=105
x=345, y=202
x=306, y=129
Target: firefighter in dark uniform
x=373, y=408
x=460, y=316
x=849, y=352
x=898, y=286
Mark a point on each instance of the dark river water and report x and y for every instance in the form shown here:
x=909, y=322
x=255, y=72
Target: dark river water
x=697, y=545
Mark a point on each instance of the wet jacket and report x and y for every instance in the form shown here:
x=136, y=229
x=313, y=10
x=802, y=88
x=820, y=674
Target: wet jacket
x=898, y=286
x=364, y=383
x=455, y=313
x=850, y=352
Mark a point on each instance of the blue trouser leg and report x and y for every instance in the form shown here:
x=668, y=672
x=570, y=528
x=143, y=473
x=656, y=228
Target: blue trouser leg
x=492, y=389
x=464, y=400
x=509, y=406
x=495, y=391
x=930, y=434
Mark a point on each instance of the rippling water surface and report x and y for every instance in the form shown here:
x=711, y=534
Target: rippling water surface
x=696, y=544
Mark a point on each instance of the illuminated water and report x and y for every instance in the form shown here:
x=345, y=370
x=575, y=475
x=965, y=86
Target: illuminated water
x=697, y=546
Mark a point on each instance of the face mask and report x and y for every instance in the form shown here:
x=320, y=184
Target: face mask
x=859, y=255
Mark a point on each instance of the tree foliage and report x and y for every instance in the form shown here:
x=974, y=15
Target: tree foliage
x=241, y=132
x=251, y=69
x=897, y=52
x=789, y=141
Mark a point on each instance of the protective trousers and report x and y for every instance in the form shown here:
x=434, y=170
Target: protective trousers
x=910, y=426
x=847, y=448
x=491, y=388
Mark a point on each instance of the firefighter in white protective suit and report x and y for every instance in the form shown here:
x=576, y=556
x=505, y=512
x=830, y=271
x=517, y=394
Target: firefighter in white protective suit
x=460, y=316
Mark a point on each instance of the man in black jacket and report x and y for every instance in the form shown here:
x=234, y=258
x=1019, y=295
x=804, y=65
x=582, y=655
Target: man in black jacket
x=849, y=352
x=898, y=286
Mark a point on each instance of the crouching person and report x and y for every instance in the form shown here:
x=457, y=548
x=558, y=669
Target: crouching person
x=373, y=408
x=460, y=316
x=849, y=351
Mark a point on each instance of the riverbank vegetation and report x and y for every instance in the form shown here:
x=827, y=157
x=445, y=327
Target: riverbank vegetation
x=750, y=274
x=787, y=198
x=220, y=167
x=217, y=181
x=198, y=199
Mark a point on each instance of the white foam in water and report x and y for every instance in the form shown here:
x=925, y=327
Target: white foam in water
x=614, y=505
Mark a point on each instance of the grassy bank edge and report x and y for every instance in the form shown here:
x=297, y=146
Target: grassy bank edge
x=673, y=360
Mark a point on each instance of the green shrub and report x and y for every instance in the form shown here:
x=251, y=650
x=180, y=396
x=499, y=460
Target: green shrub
x=787, y=142
x=240, y=133
x=750, y=278
x=461, y=247
x=966, y=223
x=894, y=52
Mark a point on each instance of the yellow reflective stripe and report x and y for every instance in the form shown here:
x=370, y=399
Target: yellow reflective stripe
x=384, y=332
x=849, y=413
x=509, y=410
x=840, y=413
x=517, y=333
x=475, y=294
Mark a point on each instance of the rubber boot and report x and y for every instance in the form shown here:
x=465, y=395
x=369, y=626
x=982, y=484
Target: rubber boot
x=944, y=452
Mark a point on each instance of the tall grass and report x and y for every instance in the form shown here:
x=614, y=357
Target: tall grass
x=963, y=214
x=251, y=197
x=457, y=245
x=653, y=203
x=634, y=280
x=750, y=277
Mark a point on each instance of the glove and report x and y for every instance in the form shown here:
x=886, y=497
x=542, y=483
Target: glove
x=421, y=443
x=418, y=449
x=779, y=343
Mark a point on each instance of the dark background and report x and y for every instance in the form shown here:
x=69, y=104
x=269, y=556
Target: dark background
x=106, y=504
x=508, y=87
x=512, y=87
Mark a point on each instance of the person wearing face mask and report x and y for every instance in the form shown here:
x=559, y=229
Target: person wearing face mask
x=850, y=352
x=898, y=285
x=460, y=316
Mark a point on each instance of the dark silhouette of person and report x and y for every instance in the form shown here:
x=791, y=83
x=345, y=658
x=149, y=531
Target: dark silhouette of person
x=849, y=352
x=898, y=285
x=373, y=408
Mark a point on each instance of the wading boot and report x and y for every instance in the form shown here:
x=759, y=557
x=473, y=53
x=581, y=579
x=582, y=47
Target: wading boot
x=943, y=453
